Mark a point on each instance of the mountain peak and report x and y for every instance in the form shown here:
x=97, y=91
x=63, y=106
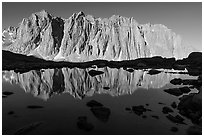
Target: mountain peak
x=81, y=13
x=85, y=39
x=43, y=11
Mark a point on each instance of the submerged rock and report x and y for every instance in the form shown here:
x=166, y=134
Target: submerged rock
x=161, y=103
x=147, y=104
x=144, y=116
x=174, y=129
x=167, y=110
x=94, y=103
x=26, y=129
x=156, y=117
x=194, y=130
x=83, y=124
x=128, y=109
x=174, y=105
x=10, y=112
x=139, y=110
x=101, y=113
x=176, y=119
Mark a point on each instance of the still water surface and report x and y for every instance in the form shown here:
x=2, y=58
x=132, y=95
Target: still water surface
x=60, y=98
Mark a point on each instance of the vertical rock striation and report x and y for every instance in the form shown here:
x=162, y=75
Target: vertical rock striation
x=78, y=83
x=84, y=38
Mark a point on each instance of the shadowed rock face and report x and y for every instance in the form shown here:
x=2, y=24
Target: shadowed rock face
x=78, y=82
x=84, y=38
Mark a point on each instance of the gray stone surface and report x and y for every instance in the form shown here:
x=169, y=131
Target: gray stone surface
x=83, y=38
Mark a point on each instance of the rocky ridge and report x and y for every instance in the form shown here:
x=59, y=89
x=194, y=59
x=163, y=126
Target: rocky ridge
x=84, y=38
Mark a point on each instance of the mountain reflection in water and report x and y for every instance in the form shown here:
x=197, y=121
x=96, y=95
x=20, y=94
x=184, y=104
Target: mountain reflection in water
x=103, y=101
x=78, y=83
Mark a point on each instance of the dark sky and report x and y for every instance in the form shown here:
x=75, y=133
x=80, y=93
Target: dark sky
x=183, y=18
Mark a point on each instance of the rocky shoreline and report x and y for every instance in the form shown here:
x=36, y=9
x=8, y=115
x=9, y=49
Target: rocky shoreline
x=190, y=105
x=21, y=63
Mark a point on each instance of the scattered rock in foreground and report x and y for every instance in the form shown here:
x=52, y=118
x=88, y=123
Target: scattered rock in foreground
x=34, y=107
x=174, y=91
x=83, y=124
x=156, y=117
x=128, y=109
x=176, y=119
x=160, y=103
x=10, y=112
x=139, y=110
x=174, y=129
x=144, y=116
x=174, y=105
x=167, y=110
x=26, y=129
x=194, y=130
x=94, y=103
x=191, y=107
x=3, y=96
x=147, y=104
x=101, y=113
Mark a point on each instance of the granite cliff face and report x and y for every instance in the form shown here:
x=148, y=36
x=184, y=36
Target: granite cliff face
x=84, y=38
x=78, y=83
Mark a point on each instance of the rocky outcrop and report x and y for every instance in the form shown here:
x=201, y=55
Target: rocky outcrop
x=84, y=38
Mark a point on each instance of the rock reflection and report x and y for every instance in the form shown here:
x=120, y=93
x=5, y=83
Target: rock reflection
x=78, y=83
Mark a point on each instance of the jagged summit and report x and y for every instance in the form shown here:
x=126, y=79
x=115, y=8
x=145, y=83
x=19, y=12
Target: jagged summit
x=84, y=38
x=43, y=11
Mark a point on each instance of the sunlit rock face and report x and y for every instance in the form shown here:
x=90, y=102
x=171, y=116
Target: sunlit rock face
x=78, y=83
x=84, y=38
x=9, y=36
